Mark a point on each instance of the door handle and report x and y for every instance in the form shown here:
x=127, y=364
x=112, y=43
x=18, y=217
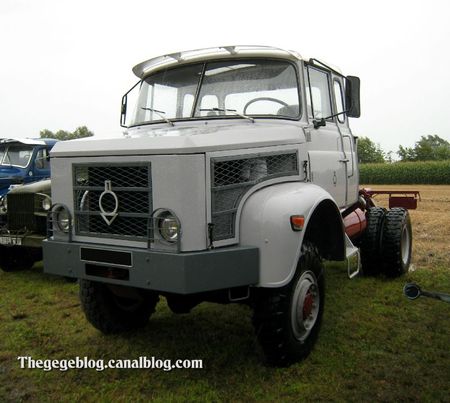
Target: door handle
x=344, y=160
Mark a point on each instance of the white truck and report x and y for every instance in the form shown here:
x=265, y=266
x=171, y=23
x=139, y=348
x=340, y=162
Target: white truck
x=237, y=176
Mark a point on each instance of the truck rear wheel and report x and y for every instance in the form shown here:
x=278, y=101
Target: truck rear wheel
x=396, y=242
x=287, y=319
x=371, y=241
x=114, y=309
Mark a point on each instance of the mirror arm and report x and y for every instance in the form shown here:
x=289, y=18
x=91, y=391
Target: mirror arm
x=322, y=122
x=123, y=107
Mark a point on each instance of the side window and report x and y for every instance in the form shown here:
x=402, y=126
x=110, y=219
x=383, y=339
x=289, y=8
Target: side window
x=318, y=98
x=339, y=98
x=42, y=159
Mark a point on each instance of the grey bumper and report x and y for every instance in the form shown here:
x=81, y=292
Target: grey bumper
x=180, y=273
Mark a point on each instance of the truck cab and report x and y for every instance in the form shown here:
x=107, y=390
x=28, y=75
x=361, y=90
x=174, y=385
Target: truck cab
x=24, y=161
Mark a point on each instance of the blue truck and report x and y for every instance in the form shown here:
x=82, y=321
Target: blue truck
x=23, y=161
x=24, y=200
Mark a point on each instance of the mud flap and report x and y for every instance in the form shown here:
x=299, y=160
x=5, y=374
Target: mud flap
x=353, y=258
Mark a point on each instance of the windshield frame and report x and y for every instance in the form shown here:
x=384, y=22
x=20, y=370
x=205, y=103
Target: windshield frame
x=5, y=153
x=204, y=65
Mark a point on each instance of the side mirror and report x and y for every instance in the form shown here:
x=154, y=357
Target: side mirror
x=123, y=111
x=123, y=106
x=352, y=98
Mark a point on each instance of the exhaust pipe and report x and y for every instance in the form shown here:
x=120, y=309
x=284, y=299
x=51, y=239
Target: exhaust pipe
x=413, y=291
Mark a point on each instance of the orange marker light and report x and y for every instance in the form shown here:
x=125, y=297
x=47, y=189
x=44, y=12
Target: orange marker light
x=297, y=222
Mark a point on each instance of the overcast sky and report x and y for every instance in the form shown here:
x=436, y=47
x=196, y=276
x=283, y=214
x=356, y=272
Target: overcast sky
x=67, y=63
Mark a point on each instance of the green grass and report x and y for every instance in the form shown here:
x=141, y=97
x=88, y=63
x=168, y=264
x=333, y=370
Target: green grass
x=375, y=345
x=420, y=172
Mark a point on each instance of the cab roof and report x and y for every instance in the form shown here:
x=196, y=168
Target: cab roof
x=172, y=59
x=32, y=142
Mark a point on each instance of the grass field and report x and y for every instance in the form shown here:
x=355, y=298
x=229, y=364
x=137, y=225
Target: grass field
x=375, y=345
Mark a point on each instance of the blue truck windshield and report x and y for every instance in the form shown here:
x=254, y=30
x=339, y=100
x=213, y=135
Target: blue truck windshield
x=16, y=155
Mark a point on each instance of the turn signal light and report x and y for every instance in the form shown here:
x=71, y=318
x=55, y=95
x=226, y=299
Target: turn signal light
x=297, y=222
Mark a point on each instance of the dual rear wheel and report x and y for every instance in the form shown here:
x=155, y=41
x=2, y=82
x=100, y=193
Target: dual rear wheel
x=387, y=242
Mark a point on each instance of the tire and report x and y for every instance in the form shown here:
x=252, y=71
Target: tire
x=14, y=258
x=396, y=242
x=284, y=336
x=371, y=241
x=111, y=313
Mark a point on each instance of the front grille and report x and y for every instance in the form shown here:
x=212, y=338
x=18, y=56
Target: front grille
x=21, y=213
x=123, y=189
x=232, y=177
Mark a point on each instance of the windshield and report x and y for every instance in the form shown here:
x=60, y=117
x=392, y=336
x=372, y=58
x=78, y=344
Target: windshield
x=238, y=88
x=16, y=154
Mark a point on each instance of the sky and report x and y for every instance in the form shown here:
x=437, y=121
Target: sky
x=67, y=63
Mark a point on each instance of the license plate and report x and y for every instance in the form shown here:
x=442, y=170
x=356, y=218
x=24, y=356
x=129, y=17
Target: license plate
x=7, y=240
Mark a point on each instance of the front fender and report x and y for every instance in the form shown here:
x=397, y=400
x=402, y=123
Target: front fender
x=265, y=223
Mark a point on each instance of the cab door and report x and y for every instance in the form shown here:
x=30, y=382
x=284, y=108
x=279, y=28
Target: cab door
x=41, y=164
x=348, y=141
x=327, y=159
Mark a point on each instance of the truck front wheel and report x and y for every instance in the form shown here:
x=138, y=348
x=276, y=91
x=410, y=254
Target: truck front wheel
x=114, y=309
x=287, y=319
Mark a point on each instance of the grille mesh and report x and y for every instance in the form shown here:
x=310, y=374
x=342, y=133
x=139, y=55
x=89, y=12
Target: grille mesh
x=21, y=212
x=131, y=184
x=232, y=178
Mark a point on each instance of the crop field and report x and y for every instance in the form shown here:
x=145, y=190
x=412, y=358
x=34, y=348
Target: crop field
x=374, y=345
x=424, y=172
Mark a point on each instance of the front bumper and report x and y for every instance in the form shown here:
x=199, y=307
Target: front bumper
x=8, y=239
x=180, y=273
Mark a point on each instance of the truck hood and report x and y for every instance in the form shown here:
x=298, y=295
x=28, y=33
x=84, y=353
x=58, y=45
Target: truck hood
x=186, y=139
x=43, y=186
x=9, y=176
x=7, y=171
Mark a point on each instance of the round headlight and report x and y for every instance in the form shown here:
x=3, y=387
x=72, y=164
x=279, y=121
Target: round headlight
x=3, y=204
x=46, y=203
x=168, y=226
x=62, y=219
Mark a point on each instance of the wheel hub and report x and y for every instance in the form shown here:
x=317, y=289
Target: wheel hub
x=305, y=305
x=308, y=305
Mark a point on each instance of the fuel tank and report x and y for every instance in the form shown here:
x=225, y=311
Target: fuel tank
x=355, y=224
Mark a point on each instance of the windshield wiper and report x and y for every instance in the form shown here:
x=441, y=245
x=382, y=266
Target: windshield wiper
x=228, y=110
x=160, y=114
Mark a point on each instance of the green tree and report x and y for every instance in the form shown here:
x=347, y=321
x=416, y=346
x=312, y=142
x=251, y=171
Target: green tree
x=368, y=151
x=78, y=133
x=429, y=148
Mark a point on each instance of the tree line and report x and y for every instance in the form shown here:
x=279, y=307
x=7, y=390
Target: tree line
x=428, y=148
x=78, y=133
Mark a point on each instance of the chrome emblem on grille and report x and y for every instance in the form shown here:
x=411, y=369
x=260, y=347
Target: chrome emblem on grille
x=108, y=216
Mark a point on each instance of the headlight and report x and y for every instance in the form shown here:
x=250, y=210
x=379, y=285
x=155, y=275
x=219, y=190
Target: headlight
x=3, y=204
x=62, y=219
x=168, y=226
x=46, y=203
